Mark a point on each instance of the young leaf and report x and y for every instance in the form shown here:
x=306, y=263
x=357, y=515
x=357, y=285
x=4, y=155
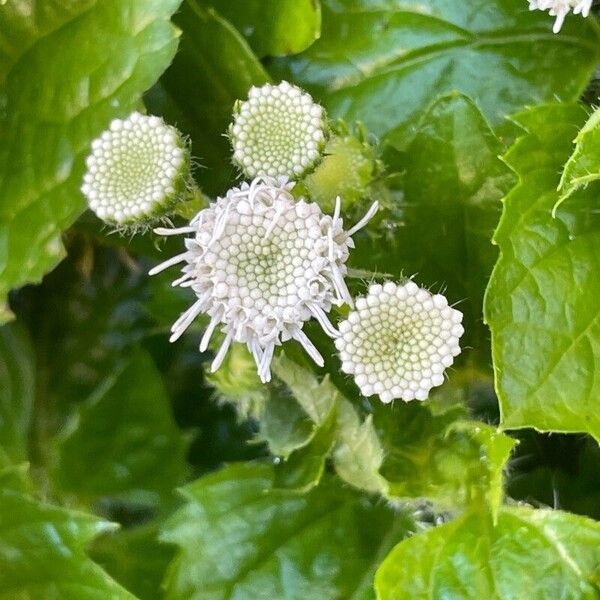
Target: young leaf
x=127, y=433
x=274, y=28
x=540, y=554
x=384, y=63
x=213, y=68
x=303, y=469
x=583, y=166
x=238, y=537
x=55, y=102
x=42, y=554
x=17, y=388
x=439, y=457
x=284, y=424
x=542, y=300
x=356, y=451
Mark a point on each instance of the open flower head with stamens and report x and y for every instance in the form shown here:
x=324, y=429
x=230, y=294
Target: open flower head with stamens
x=279, y=131
x=399, y=340
x=261, y=264
x=561, y=8
x=137, y=170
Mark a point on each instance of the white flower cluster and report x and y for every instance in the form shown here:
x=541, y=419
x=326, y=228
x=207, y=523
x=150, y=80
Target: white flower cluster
x=279, y=131
x=399, y=340
x=561, y=8
x=261, y=264
x=137, y=170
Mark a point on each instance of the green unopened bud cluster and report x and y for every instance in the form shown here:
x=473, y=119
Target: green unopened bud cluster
x=137, y=170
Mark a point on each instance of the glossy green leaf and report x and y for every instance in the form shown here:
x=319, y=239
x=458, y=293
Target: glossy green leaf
x=583, y=166
x=441, y=229
x=537, y=554
x=17, y=390
x=274, y=28
x=127, y=433
x=239, y=538
x=384, y=62
x=42, y=553
x=542, y=300
x=55, y=101
x=213, y=68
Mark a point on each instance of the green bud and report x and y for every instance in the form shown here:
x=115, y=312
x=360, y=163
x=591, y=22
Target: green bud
x=347, y=170
x=237, y=381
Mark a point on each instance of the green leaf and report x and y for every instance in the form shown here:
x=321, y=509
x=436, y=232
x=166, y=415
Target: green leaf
x=542, y=299
x=56, y=101
x=14, y=477
x=583, y=166
x=213, y=68
x=403, y=451
x=453, y=188
x=127, y=433
x=384, y=62
x=304, y=468
x=356, y=451
x=274, y=28
x=439, y=457
x=284, y=424
x=42, y=553
x=239, y=538
x=135, y=558
x=538, y=554
x=317, y=398
x=17, y=390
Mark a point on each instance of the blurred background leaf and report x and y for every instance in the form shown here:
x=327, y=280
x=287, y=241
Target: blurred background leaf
x=126, y=431
x=43, y=552
x=213, y=68
x=17, y=392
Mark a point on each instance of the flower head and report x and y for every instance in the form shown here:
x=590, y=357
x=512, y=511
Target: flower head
x=561, y=8
x=279, y=131
x=136, y=171
x=399, y=340
x=261, y=264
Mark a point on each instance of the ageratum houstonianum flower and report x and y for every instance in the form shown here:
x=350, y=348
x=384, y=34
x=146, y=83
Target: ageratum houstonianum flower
x=278, y=131
x=261, y=264
x=137, y=170
x=561, y=8
x=399, y=340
